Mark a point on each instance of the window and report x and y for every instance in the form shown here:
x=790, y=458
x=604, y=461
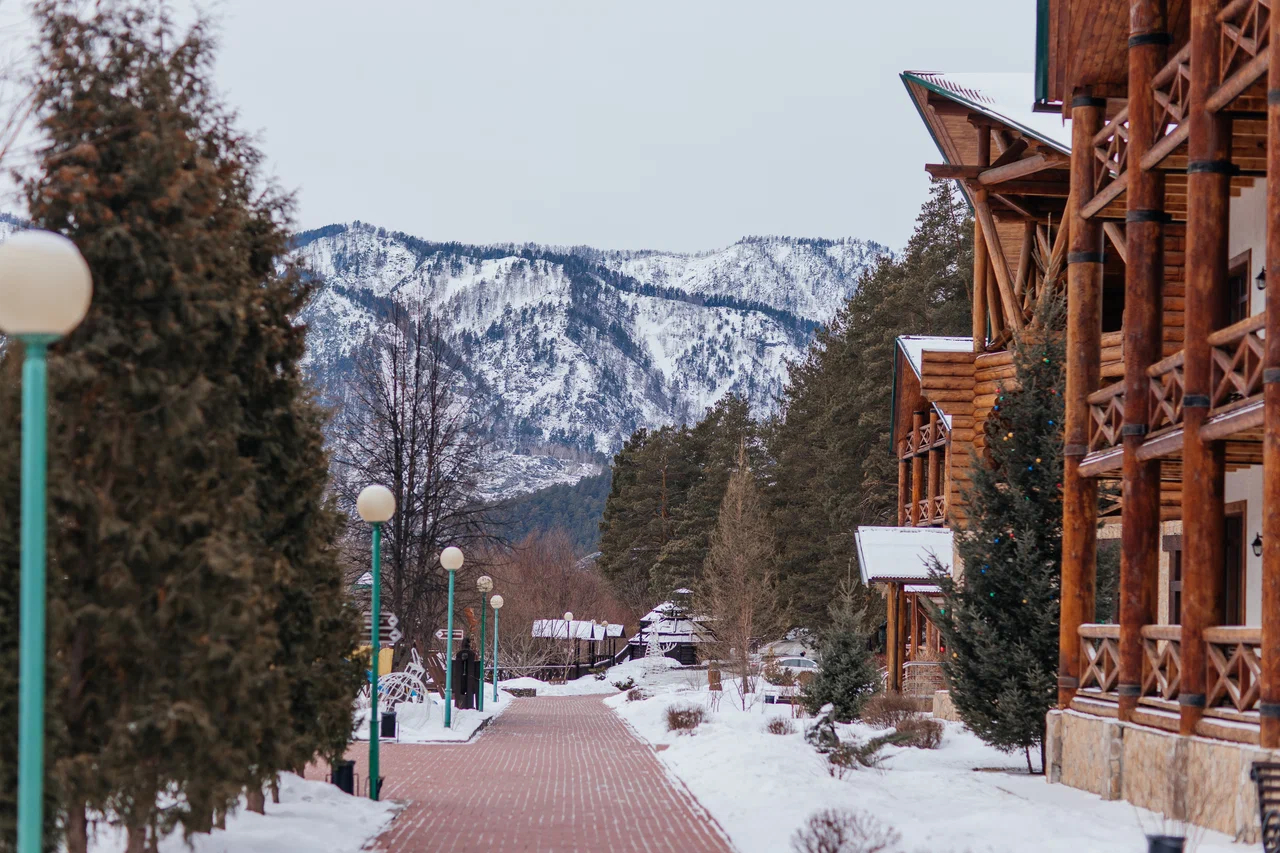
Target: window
x=1237, y=293
x=1232, y=612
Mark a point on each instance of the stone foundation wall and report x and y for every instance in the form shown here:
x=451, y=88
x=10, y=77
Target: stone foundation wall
x=943, y=708
x=1202, y=781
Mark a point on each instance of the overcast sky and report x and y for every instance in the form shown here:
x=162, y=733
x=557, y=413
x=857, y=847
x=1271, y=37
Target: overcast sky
x=666, y=124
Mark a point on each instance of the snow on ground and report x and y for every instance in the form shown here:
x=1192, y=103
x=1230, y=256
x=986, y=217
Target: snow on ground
x=761, y=787
x=644, y=672
x=423, y=722
x=311, y=817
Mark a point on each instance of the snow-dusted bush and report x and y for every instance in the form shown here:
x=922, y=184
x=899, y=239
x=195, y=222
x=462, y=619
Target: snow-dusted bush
x=844, y=831
x=780, y=726
x=625, y=684
x=922, y=732
x=685, y=718
x=887, y=710
x=635, y=694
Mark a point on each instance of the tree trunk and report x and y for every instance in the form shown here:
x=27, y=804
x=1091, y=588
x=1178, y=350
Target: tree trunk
x=137, y=840
x=275, y=790
x=77, y=830
x=220, y=819
x=255, y=800
x=1026, y=750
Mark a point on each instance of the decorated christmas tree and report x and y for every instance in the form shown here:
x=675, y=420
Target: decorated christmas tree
x=1000, y=620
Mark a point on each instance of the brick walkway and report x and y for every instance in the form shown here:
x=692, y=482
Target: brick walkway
x=559, y=775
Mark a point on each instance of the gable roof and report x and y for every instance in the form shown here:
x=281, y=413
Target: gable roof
x=1006, y=97
x=902, y=554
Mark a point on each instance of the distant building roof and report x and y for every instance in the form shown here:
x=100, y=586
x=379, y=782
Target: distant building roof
x=581, y=629
x=902, y=554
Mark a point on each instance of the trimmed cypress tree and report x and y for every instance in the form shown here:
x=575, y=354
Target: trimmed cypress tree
x=196, y=607
x=1000, y=620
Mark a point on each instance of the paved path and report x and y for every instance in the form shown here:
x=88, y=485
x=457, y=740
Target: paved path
x=560, y=775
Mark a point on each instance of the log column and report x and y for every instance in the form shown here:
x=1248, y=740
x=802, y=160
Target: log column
x=1143, y=331
x=1270, y=680
x=1084, y=363
x=915, y=625
x=917, y=470
x=892, y=637
x=904, y=488
x=980, y=262
x=1208, y=193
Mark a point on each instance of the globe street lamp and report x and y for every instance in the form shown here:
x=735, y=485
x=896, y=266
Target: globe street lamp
x=451, y=559
x=376, y=505
x=484, y=583
x=496, y=603
x=568, y=624
x=45, y=289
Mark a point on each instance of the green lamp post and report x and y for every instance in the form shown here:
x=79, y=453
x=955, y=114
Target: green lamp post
x=484, y=583
x=568, y=642
x=45, y=290
x=496, y=603
x=375, y=505
x=451, y=559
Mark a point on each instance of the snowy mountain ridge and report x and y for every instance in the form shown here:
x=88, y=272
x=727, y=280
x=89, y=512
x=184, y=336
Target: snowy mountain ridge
x=577, y=347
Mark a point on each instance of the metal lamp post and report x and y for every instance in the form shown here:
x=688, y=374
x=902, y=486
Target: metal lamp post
x=496, y=603
x=376, y=505
x=484, y=583
x=45, y=290
x=568, y=629
x=451, y=558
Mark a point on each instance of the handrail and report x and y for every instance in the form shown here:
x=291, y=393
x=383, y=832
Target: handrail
x=1104, y=394
x=1109, y=129
x=1167, y=364
x=1099, y=631
x=1238, y=330
x=1170, y=69
x=1243, y=634
x=1162, y=632
x=1235, y=7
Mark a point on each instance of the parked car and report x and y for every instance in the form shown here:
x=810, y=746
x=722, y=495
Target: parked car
x=798, y=665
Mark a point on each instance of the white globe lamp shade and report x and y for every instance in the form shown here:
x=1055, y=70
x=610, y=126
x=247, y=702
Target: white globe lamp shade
x=45, y=284
x=496, y=602
x=376, y=504
x=451, y=558
x=484, y=583
x=568, y=616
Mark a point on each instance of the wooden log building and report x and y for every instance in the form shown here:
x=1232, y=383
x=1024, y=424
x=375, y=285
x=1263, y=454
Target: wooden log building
x=1157, y=206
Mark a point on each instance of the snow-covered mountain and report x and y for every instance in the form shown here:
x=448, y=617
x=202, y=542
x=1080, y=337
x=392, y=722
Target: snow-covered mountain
x=578, y=347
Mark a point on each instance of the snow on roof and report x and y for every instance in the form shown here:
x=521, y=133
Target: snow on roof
x=1006, y=97
x=922, y=588
x=915, y=346
x=580, y=629
x=902, y=553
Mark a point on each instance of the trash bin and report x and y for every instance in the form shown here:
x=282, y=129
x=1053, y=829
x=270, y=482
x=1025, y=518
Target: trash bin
x=464, y=676
x=387, y=725
x=343, y=775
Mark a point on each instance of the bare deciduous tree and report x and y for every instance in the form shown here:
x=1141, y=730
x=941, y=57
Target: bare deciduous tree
x=738, y=589
x=415, y=423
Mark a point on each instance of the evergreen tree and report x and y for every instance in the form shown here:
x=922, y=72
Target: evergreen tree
x=835, y=469
x=848, y=674
x=1000, y=620
x=195, y=613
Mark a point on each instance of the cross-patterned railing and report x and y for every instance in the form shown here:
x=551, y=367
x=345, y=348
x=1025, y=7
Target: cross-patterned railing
x=1164, y=408
x=1099, y=657
x=1106, y=416
x=1171, y=88
x=1237, y=361
x=1161, y=661
x=1111, y=145
x=1245, y=35
x=1234, y=666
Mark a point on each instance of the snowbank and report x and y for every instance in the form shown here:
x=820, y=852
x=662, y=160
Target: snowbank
x=761, y=787
x=312, y=817
x=644, y=672
x=423, y=722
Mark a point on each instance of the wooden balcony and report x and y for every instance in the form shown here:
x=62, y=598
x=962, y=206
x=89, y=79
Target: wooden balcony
x=930, y=436
x=1236, y=404
x=1232, y=662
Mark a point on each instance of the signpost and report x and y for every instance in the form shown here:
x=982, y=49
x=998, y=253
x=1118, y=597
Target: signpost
x=442, y=634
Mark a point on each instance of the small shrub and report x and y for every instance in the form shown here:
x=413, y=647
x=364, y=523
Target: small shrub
x=922, y=732
x=625, y=684
x=843, y=831
x=886, y=710
x=685, y=718
x=780, y=726
x=635, y=694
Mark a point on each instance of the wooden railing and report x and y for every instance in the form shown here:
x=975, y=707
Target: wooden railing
x=1106, y=416
x=1243, y=59
x=1161, y=661
x=1164, y=408
x=1171, y=88
x=1099, y=657
x=931, y=512
x=1233, y=664
x=1237, y=361
x=928, y=437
